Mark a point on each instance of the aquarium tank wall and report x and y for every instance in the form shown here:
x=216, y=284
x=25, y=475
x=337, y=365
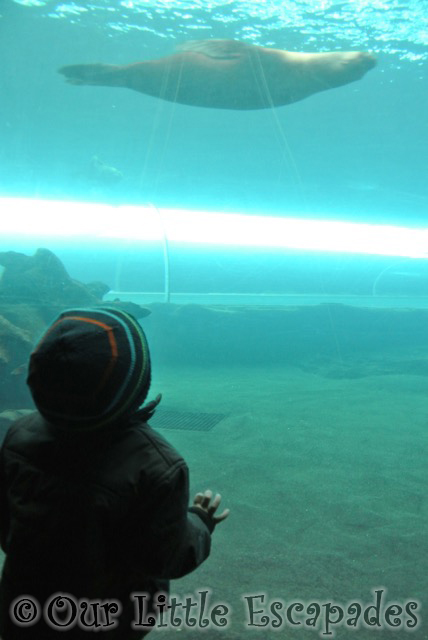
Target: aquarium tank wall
x=249, y=180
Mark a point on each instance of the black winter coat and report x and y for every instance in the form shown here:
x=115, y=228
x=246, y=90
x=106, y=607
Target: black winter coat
x=97, y=516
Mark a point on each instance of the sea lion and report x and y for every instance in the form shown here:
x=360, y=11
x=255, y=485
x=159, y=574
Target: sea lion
x=227, y=74
x=100, y=173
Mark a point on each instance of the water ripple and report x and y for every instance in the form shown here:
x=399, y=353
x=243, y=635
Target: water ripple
x=389, y=26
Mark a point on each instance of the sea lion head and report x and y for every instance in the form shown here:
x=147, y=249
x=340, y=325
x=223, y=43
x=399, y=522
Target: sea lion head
x=355, y=64
x=362, y=61
x=342, y=67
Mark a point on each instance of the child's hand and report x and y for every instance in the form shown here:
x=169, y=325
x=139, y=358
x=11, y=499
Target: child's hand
x=203, y=501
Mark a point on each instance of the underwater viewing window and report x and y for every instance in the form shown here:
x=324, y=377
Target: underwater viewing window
x=248, y=180
x=237, y=193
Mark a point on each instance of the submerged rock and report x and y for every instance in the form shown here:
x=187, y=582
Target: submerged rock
x=41, y=278
x=33, y=290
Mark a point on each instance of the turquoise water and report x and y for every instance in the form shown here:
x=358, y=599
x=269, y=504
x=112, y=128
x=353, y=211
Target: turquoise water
x=317, y=360
x=357, y=152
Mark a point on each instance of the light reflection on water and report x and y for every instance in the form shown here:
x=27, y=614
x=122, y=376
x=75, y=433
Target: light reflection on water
x=381, y=26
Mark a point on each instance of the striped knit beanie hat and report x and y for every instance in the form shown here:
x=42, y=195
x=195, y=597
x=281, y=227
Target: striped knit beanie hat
x=90, y=369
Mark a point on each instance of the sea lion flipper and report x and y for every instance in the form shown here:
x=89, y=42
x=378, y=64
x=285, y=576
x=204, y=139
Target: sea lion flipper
x=96, y=74
x=220, y=49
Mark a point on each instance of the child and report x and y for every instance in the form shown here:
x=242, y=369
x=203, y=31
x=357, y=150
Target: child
x=93, y=503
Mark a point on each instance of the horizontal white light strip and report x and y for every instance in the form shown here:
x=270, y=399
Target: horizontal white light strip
x=147, y=224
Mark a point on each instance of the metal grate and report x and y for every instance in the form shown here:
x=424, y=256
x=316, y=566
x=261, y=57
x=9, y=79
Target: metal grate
x=185, y=421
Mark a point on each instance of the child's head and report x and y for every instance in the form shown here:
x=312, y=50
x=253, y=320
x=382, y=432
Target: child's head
x=90, y=369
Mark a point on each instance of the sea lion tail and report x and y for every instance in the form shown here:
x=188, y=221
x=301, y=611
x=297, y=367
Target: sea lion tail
x=94, y=74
